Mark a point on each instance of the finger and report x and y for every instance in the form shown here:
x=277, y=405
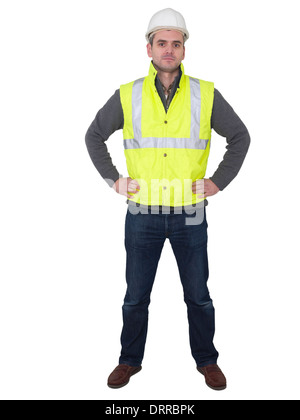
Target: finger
x=198, y=186
x=133, y=190
x=133, y=187
x=198, y=191
x=134, y=181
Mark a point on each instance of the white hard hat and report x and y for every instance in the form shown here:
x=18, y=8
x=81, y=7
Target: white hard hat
x=167, y=19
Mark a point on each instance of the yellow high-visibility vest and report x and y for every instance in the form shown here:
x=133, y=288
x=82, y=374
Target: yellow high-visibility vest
x=167, y=152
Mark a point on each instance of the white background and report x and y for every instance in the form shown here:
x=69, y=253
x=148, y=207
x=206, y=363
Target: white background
x=62, y=228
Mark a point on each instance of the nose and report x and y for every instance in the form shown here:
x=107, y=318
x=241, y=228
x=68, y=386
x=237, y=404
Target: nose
x=169, y=49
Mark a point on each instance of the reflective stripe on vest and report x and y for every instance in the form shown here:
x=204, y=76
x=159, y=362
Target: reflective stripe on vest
x=164, y=142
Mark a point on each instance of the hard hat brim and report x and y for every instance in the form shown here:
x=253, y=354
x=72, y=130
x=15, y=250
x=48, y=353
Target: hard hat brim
x=184, y=32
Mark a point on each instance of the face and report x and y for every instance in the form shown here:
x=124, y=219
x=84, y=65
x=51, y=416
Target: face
x=167, y=50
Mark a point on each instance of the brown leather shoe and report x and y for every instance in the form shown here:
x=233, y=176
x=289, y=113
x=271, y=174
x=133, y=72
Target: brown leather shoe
x=214, y=377
x=121, y=374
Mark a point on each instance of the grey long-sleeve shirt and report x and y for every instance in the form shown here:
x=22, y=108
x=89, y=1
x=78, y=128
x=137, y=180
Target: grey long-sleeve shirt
x=224, y=121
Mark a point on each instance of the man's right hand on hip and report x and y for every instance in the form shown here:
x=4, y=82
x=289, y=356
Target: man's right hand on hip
x=126, y=186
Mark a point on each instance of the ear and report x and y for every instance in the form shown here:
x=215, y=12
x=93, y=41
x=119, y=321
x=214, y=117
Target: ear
x=149, y=50
x=183, y=53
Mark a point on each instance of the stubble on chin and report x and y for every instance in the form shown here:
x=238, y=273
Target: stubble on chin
x=167, y=69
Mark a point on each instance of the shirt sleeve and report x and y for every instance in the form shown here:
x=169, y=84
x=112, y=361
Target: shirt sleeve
x=227, y=124
x=109, y=119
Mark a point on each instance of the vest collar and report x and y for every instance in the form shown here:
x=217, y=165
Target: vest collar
x=153, y=72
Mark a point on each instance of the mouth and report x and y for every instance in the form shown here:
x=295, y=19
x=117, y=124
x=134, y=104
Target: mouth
x=168, y=58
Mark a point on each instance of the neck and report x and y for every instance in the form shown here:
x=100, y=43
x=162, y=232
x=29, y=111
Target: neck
x=166, y=78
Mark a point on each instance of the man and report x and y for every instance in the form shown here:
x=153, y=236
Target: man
x=167, y=119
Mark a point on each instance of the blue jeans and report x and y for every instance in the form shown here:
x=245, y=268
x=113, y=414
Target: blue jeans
x=145, y=235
